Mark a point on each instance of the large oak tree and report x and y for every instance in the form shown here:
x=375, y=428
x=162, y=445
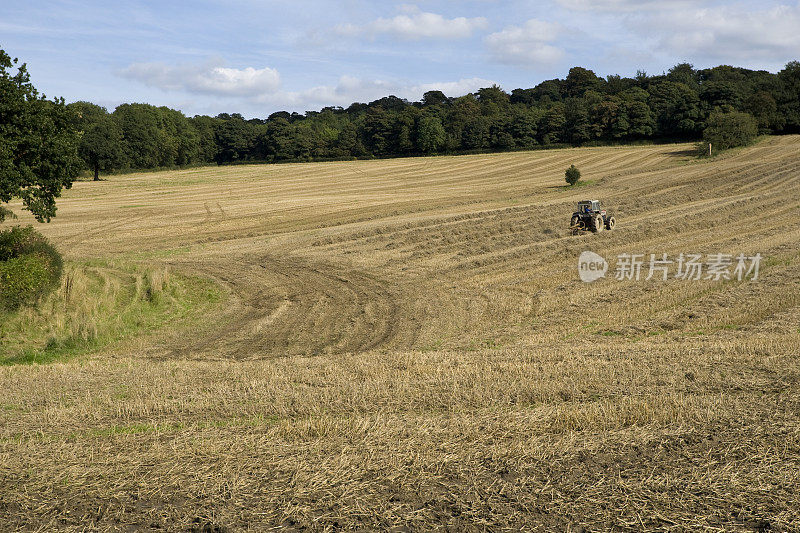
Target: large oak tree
x=38, y=143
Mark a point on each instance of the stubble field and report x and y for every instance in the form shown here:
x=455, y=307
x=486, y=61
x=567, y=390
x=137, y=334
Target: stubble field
x=407, y=344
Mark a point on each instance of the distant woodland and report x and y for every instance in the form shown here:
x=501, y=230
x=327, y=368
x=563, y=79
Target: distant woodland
x=582, y=109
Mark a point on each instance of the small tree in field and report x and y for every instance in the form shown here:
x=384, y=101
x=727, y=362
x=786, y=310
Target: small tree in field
x=572, y=175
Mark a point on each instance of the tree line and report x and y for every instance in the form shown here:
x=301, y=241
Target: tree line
x=580, y=109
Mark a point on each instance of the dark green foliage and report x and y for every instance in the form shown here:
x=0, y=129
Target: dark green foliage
x=431, y=136
x=616, y=84
x=234, y=138
x=789, y=97
x=87, y=113
x=432, y=98
x=493, y=101
x=101, y=146
x=475, y=135
x=676, y=108
x=524, y=126
x=553, y=123
x=728, y=129
x=29, y=267
x=161, y=137
x=572, y=175
x=549, y=91
x=763, y=107
x=579, y=80
x=684, y=73
x=523, y=96
x=641, y=122
x=720, y=94
x=6, y=213
x=377, y=131
x=277, y=140
x=390, y=103
x=206, y=138
x=38, y=143
x=580, y=109
x=577, y=128
x=139, y=124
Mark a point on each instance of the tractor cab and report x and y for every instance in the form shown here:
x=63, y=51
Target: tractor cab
x=589, y=206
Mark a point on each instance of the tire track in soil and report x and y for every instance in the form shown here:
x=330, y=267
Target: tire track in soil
x=292, y=306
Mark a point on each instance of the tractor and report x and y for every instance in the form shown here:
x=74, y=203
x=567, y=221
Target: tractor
x=590, y=217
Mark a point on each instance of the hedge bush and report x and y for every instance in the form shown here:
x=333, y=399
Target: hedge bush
x=30, y=267
x=728, y=129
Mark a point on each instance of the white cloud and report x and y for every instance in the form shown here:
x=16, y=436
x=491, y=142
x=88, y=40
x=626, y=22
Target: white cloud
x=727, y=33
x=759, y=35
x=351, y=89
x=208, y=78
x=414, y=24
x=251, y=86
x=451, y=88
x=529, y=44
x=626, y=5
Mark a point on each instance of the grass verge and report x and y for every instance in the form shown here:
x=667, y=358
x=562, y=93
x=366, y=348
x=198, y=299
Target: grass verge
x=99, y=303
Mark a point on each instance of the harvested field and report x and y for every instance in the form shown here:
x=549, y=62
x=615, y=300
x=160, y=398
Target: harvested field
x=406, y=344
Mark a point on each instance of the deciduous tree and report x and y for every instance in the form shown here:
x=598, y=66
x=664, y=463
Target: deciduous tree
x=38, y=143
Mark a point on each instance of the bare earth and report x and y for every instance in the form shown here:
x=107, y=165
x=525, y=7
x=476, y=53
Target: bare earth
x=406, y=344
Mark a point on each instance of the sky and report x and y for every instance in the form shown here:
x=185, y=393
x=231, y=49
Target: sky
x=257, y=57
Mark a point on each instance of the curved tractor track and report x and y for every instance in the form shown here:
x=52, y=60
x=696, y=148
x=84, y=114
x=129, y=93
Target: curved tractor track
x=291, y=306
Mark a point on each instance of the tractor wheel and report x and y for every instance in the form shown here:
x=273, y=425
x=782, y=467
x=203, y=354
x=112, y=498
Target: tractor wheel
x=575, y=221
x=597, y=224
x=610, y=222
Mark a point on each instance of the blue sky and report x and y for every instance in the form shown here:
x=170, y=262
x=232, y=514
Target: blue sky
x=257, y=57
